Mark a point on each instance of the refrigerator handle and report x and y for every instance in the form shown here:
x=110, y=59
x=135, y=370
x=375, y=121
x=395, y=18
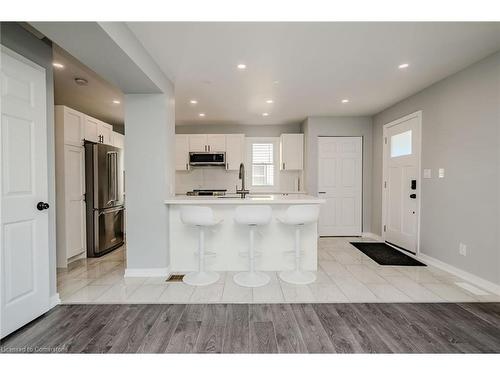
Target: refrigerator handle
x=112, y=176
x=116, y=176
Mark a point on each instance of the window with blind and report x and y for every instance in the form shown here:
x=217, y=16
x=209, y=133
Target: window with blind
x=263, y=164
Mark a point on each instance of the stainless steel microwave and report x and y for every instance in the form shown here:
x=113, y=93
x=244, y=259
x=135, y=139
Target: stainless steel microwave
x=207, y=158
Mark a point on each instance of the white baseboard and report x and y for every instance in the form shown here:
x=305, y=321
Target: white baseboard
x=371, y=235
x=54, y=300
x=480, y=282
x=147, y=272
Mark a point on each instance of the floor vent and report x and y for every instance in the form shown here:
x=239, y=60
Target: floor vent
x=175, y=278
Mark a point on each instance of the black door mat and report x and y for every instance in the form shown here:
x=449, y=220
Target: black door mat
x=386, y=255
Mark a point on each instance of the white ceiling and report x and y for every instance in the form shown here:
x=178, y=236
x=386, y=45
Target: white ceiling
x=95, y=99
x=316, y=64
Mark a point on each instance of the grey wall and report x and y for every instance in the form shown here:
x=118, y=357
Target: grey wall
x=460, y=133
x=149, y=166
x=23, y=42
x=315, y=127
x=248, y=130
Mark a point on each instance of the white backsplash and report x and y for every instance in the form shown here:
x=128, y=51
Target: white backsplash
x=218, y=178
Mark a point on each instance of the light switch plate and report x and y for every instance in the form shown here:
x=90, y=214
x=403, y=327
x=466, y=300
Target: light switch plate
x=441, y=173
x=427, y=173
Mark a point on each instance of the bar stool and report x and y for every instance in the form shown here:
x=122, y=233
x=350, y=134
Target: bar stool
x=252, y=216
x=201, y=217
x=299, y=216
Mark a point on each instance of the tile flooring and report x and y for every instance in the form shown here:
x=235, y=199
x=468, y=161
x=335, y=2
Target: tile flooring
x=344, y=274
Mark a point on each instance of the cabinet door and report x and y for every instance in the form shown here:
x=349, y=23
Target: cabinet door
x=118, y=140
x=235, y=151
x=198, y=143
x=91, y=129
x=292, y=151
x=181, y=152
x=73, y=127
x=216, y=142
x=106, y=131
x=75, y=204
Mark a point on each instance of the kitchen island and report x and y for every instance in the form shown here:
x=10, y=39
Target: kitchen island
x=229, y=240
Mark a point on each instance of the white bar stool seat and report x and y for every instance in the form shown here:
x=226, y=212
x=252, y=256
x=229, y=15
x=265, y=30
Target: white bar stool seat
x=299, y=216
x=252, y=216
x=201, y=217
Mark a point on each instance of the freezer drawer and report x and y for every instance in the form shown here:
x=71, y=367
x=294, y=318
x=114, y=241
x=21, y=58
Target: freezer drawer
x=108, y=231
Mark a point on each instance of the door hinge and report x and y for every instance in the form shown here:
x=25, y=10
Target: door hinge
x=385, y=184
x=385, y=228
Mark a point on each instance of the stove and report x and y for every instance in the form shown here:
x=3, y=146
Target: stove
x=207, y=192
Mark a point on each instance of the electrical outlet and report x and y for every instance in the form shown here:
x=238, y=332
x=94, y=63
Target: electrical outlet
x=462, y=249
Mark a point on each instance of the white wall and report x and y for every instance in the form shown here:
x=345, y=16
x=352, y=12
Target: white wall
x=460, y=133
x=315, y=127
x=149, y=179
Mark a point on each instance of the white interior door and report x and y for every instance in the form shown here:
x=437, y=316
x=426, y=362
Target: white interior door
x=402, y=182
x=340, y=184
x=24, y=228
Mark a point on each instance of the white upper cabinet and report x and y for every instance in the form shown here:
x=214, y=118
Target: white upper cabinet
x=291, y=152
x=207, y=142
x=235, y=151
x=91, y=131
x=118, y=140
x=182, y=146
x=198, y=143
x=216, y=142
x=105, y=133
x=98, y=131
x=72, y=125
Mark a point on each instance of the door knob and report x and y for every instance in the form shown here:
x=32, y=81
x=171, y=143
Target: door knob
x=42, y=206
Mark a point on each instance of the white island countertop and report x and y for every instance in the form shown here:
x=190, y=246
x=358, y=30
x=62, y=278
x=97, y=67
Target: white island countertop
x=286, y=199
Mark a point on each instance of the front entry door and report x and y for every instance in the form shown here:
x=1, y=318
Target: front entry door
x=24, y=228
x=340, y=184
x=402, y=182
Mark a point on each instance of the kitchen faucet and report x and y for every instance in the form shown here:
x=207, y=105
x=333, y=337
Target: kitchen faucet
x=243, y=192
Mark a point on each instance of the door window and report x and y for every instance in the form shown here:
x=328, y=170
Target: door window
x=401, y=144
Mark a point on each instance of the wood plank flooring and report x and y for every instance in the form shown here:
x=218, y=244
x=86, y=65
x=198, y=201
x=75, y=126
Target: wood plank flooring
x=263, y=328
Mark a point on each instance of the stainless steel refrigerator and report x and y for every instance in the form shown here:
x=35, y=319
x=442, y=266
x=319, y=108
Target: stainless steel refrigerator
x=104, y=198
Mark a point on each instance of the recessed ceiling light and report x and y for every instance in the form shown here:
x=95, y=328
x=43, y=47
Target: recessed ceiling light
x=403, y=66
x=276, y=82
x=116, y=101
x=269, y=101
x=265, y=114
x=345, y=100
x=241, y=66
x=81, y=81
x=201, y=114
x=57, y=65
x=193, y=101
